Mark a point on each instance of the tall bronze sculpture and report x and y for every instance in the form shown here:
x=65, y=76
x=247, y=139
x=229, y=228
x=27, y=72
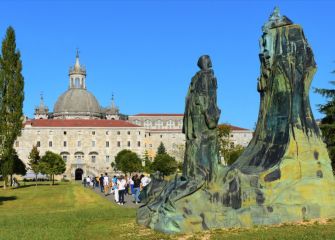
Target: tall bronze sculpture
x=200, y=122
x=284, y=175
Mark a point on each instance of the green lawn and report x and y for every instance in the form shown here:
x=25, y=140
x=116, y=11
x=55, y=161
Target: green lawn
x=68, y=211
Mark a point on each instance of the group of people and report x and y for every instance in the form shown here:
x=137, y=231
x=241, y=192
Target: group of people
x=119, y=185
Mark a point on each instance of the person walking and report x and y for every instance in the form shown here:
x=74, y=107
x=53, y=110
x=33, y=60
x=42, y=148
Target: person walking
x=121, y=185
x=88, y=181
x=116, y=190
x=101, y=183
x=137, y=185
x=106, y=184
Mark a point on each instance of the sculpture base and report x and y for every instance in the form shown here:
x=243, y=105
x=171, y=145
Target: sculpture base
x=300, y=188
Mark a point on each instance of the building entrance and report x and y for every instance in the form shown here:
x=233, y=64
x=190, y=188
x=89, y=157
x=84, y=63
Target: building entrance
x=79, y=174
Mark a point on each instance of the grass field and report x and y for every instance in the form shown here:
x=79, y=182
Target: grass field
x=68, y=211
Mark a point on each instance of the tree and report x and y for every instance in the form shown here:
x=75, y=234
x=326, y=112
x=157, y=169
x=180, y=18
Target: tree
x=165, y=164
x=161, y=149
x=147, y=162
x=34, y=161
x=228, y=151
x=234, y=154
x=128, y=161
x=11, y=101
x=19, y=167
x=224, y=131
x=327, y=124
x=52, y=164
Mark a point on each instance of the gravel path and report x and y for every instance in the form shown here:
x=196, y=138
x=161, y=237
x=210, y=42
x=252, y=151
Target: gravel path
x=127, y=198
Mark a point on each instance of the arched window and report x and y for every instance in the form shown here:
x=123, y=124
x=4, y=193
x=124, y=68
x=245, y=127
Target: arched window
x=77, y=83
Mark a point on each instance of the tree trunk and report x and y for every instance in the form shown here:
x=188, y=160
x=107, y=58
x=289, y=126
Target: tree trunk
x=53, y=179
x=11, y=180
x=35, y=179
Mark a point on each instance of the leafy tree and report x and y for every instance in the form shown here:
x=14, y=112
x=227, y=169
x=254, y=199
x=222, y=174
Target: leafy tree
x=34, y=161
x=327, y=124
x=228, y=151
x=147, y=162
x=128, y=161
x=224, y=132
x=165, y=164
x=11, y=101
x=19, y=167
x=161, y=149
x=234, y=154
x=52, y=164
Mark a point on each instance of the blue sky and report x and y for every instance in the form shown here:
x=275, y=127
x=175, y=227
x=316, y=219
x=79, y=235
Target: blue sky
x=145, y=52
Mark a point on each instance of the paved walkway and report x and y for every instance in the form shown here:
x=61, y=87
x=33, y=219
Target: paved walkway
x=127, y=198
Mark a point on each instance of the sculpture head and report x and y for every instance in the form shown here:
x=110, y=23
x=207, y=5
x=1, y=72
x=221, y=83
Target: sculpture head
x=204, y=62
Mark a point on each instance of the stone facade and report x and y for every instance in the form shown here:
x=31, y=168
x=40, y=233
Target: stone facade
x=89, y=145
x=167, y=128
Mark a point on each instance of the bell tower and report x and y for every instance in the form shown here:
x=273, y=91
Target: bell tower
x=77, y=75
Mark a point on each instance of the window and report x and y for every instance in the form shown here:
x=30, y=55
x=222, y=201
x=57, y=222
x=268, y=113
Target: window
x=161, y=136
x=180, y=123
x=50, y=143
x=128, y=132
x=38, y=132
x=93, y=143
x=64, y=158
x=150, y=145
x=137, y=122
x=106, y=132
x=51, y=132
x=128, y=143
x=138, y=143
x=38, y=144
x=93, y=158
x=147, y=124
x=79, y=144
x=119, y=144
x=159, y=124
x=170, y=124
x=93, y=132
x=107, y=158
x=17, y=144
x=149, y=134
x=64, y=144
x=77, y=83
x=118, y=133
x=79, y=157
x=64, y=132
x=139, y=133
x=107, y=144
x=231, y=135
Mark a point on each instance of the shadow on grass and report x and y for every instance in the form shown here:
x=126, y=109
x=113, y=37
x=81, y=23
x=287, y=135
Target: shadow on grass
x=38, y=185
x=4, y=199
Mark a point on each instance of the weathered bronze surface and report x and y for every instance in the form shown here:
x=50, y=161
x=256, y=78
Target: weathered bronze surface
x=284, y=175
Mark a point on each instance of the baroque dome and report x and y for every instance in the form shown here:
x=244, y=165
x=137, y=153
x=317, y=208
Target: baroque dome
x=77, y=103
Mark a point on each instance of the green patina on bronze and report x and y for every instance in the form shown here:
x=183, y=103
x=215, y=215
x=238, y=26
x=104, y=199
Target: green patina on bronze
x=284, y=175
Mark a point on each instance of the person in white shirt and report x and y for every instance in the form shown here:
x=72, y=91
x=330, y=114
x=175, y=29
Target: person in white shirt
x=145, y=181
x=88, y=181
x=106, y=184
x=121, y=185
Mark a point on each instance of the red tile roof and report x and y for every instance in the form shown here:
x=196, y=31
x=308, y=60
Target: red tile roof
x=78, y=123
x=159, y=114
x=234, y=127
